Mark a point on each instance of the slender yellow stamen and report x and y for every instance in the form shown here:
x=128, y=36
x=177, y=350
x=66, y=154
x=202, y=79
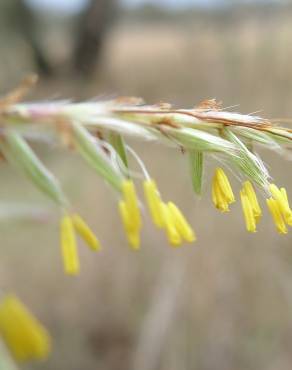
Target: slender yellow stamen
x=69, y=247
x=181, y=223
x=284, y=194
x=173, y=235
x=276, y=213
x=224, y=185
x=85, y=232
x=219, y=200
x=281, y=197
x=131, y=230
x=154, y=202
x=215, y=194
x=24, y=335
x=131, y=200
x=250, y=193
x=249, y=216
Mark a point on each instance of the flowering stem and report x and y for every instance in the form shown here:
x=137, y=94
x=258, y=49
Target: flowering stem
x=97, y=130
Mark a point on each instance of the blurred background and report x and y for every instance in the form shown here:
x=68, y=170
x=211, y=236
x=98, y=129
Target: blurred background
x=222, y=303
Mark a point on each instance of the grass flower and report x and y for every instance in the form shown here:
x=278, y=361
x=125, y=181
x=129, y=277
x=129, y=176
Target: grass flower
x=222, y=193
x=278, y=218
x=167, y=216
x=97, y=131
x=24, y=335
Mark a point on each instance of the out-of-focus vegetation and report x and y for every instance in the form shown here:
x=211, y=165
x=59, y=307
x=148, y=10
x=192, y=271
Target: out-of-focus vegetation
x=224, y=303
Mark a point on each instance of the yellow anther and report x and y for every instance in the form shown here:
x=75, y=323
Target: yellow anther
x=181, y=224
x=173, y=235
x=218, y=198
x=282, y=200
x=154, y=202
x=134, y=240
x=222, y=193
x=284, y=194
x=131, y=230
x=69, y=247
x=288, y=218
x=224, y=185
x=275, y=210
x=131, y=200
x=85, y=232
x=125, y=216
x=249, y=216
x=24, y=335
x=250, y=193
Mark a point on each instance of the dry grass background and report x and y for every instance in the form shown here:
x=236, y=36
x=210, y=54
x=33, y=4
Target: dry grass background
x=222, y=303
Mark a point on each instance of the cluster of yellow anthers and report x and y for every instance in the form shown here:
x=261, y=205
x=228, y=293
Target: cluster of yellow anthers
x=278, y=203
x=167, y=216
x=279, y=207
x=164, y=215
x=25, y=337
x=222, y=194
x=70, y=224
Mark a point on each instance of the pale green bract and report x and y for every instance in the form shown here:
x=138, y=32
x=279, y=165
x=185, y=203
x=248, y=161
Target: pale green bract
x=197, y=165
x=19, y=153
x=96, y=157
x=248, y=162
x=117, y=141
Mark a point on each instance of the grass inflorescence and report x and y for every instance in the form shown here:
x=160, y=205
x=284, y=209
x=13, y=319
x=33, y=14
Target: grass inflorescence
x=97, y=130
